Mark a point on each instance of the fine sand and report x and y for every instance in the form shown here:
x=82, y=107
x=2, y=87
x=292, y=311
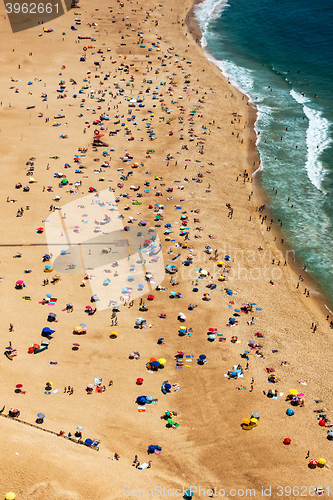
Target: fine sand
x=209, y=449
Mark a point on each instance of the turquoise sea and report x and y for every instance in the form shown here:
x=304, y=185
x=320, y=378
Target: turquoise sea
x=280, y=54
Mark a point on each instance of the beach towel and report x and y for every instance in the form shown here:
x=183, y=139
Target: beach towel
x=141, y=409
x=143, y=466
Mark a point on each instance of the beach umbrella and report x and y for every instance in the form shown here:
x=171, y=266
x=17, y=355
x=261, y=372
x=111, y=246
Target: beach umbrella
x=294, y=392
x=321, y=461
x=150, y=297
x=40, y=415
x=18, y=386
x=290, y=412
x=322, y=423
x=313, y=462
x=167, y=387
x=211, y=336
x=330, y=435
x=40, y=229
x=20, y=282
x=286, y=441
x=36, y=346
x=139, y=381
x=49, y=295
x=204, y=272
x=253, y=420
x=182, y=330
x=79, y=428
x=162, y=361
x=10, y=496
x=202, y=357
x=90, y=386
x=155, y=364
x=246, y=421
x=88, y=441
x=255, y=415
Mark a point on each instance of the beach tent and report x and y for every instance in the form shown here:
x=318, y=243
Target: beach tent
x=51, y=317
x=47, y=332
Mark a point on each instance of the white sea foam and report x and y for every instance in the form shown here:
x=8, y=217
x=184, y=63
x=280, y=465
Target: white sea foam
x=208, y=12
x=317, y=140
x=300, y=98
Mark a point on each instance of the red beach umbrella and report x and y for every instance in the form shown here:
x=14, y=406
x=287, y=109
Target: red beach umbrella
x=150, y=297
x=286, y=441
x=18, y=386
x=139, y=381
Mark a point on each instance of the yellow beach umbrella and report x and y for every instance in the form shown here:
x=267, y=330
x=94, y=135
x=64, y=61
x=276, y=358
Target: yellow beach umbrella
x=220, y=263
x=254, y=421
x=293, y=392
x=10, y=496
x=321, y=461
x=162, y=361
x=114, y=333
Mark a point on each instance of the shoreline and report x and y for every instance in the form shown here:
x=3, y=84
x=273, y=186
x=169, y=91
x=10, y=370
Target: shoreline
x=321, y=302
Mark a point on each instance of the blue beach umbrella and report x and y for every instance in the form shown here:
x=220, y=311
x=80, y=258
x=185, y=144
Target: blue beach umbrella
x=40, y=415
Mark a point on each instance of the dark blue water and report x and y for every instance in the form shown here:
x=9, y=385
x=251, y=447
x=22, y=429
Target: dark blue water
x=281, y=55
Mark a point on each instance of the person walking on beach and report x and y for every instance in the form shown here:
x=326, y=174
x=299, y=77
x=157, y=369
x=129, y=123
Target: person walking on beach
x=11, y=327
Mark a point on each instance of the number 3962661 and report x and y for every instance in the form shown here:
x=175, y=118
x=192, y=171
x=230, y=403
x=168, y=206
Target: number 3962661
x=31, y=8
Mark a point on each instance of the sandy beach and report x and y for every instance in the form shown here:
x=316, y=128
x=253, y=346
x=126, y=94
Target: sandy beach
x=195, y=163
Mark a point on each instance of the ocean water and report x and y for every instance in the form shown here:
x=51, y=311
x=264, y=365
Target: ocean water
x=280, y=54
